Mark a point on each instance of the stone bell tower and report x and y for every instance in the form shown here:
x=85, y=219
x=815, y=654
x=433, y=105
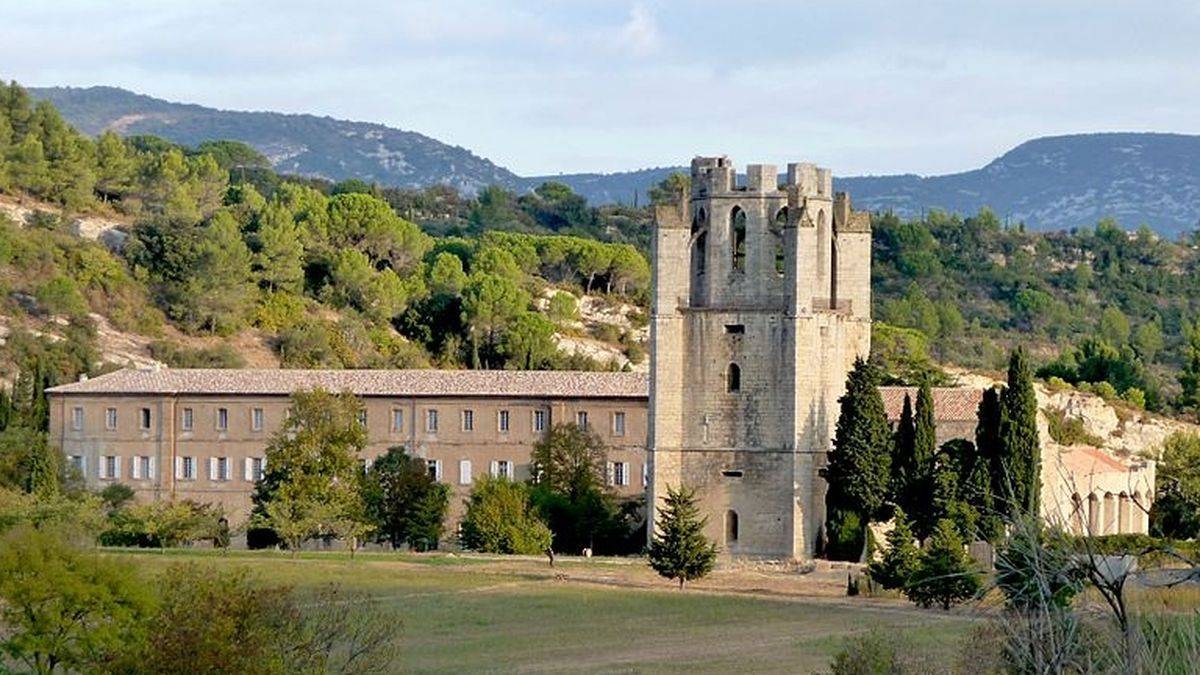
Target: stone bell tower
x=762, y=301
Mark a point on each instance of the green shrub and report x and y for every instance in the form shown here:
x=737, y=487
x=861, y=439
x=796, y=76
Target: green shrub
x=881, y=653
x=563, y=308
x=177, y=356
x=61, y=295
x=1069, y=430
x=501, y=519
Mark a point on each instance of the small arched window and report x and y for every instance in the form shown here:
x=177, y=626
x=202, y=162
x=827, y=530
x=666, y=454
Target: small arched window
x=777, y=231
x=699, y=254
x=737, y=238
x=731, y=526
x=733, y=378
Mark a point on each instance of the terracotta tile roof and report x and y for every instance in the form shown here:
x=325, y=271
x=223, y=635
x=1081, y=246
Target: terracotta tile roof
x=1085, y=460
x=512, y=383
x=949, y=403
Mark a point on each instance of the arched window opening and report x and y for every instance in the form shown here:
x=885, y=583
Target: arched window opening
x=698, y=254
x=731, y=526
x=698, y=221
x=1109, y=526
x=777, y=231
x=1124, y=514
x=823, y=243
x=737, y=238
x=733, y=378
x=1077, y=526
x=1093, y=516
x=833, y=275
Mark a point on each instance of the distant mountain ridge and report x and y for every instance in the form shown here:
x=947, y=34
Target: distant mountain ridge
x=299, y=144
x=1055, y=182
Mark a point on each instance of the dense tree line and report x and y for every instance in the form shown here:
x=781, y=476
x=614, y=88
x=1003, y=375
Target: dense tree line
x=876, y=471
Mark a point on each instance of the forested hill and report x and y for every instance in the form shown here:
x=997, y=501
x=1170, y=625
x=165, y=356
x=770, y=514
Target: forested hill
x=299, y=144
x=1049, y=183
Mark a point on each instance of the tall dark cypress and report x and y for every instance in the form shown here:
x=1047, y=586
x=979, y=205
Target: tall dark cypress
x=903, y=440
x=987, y=447
x=1021, y=451
x=860, y=463
x=922, y=483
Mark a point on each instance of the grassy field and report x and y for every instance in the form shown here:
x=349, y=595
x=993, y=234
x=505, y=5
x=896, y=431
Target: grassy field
x=476, y=614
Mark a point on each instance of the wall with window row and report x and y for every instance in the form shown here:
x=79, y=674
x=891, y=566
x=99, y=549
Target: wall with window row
x=210, y=448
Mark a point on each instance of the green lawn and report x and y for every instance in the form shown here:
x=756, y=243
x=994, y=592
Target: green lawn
x=464, y=614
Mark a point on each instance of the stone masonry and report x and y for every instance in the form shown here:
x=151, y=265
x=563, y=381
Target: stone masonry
x=761, y=305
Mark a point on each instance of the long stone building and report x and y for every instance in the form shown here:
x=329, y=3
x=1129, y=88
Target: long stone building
x=201, y=434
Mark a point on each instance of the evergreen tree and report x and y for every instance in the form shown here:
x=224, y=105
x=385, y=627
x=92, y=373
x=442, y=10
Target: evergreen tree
x=922, y=477
x=280, y=258
x=679, y=549
x=1189, y=377
x=988, y=450
x=945, y=574
x=1019, y=443
x=898, y=562
x=860, y=463
x=903, y=442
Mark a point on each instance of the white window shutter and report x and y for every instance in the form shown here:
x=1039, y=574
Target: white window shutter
x=248, y=472
x=464, y=472
x=610, y=470
x=100, y=467
x=83, y=465
x=264, y=464
x=509, y=470
x=117, y=467
x=178, y=467
x=495, y=468
x=212, y=469
x=136, y=469
x=153, y=467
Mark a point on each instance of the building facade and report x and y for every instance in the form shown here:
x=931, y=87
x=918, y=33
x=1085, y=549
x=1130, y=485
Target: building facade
x=201, y=434
x=762, y=302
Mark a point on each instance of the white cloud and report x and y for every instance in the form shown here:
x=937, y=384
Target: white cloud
x=640, y=34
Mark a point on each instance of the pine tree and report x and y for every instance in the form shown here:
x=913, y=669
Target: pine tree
x=679, y=549
x=1189, y=377
x=945, y=574
x=898, y=562
x=280, y=259
x=1019, y=443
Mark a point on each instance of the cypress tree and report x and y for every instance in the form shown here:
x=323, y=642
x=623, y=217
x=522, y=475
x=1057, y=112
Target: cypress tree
x=898, y=562
x=680, y=550
x=987, y=448
x=860, y=463
x=1020, y=446
x=902, y=454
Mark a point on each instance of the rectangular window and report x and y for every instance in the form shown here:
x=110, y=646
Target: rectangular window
x=503, y=421
x=77, y=419
x=464, y=472
x=144, y=419
x=219, y=468
x=468, y=420
x=222, y=419
x=110, y=418
x=735, y=329
x=434, y=467
x=618, y=424
x=254, y=469
x=186, y=422
x=256, y=419
x=362, y=418
x=539, y=420
x=397, y=419
x=502, y=467
x=143, y=468
x=108, y=467
x=431, y=420
x=187, y=468
x=620, y=473
x=78, y=462
x=581, y=419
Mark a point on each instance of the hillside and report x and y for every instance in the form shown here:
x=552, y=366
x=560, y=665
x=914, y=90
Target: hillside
x=1048, y=183
x=299, y=144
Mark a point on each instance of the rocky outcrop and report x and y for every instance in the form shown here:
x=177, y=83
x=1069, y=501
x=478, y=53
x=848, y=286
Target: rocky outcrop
x=108, y=231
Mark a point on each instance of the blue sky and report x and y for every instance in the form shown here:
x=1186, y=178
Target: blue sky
x=605, y=85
